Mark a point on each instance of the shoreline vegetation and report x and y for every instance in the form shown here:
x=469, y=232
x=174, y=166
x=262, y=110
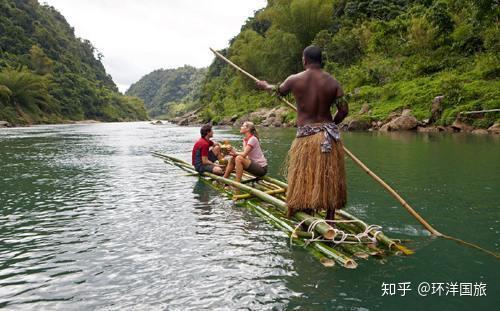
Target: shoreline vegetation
x=48, y=75
x=416, y=65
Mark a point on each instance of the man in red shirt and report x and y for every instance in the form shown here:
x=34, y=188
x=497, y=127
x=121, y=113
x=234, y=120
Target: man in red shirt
x=206, y=152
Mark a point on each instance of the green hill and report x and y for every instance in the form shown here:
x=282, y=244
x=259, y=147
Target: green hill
x=48, y=75
x=389, y=54
x=164, y=89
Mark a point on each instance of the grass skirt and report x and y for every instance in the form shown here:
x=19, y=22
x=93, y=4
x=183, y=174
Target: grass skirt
x=316, y=180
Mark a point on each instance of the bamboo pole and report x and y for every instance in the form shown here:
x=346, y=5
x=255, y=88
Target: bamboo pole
x=351, y=155
x=249, y=195
x=276, y=182
x=479, y=111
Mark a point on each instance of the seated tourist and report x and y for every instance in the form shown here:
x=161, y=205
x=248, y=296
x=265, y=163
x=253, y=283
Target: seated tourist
x=206, y=152
x=251, y=159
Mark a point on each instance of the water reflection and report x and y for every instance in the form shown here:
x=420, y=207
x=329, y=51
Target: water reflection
x=90, y=220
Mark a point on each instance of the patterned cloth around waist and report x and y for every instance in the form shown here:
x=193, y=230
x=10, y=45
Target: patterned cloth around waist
x=331, y=133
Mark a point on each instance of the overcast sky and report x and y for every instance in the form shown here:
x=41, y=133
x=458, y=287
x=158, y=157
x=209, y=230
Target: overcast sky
x=139, y=36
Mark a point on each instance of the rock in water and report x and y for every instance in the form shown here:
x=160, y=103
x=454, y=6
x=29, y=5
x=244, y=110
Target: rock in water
x=226, y=121
x=429, y=129
x=494, y=129
x=402, y=123
x=480, y=131
x=461, y=126
x=4, y=124
x=358, y=125
x=436, y=108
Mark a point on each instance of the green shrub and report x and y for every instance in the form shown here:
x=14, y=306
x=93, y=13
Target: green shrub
x=483, y=123
x=452, y=89
x=487, y=65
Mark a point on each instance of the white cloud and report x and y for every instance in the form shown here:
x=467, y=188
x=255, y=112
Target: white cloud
x=139, y=36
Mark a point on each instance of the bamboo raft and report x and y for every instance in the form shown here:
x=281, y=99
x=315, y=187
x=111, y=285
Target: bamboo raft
x=343, y=243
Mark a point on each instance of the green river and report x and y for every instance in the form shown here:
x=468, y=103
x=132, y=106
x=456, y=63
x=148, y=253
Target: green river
x=90, y=220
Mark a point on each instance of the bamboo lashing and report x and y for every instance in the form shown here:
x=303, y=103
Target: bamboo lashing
x=393, y=192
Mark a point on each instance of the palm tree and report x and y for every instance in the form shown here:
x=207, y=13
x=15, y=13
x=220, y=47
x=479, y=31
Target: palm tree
x=25, y=89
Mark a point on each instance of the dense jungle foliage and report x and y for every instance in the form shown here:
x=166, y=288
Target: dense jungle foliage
x=48, y=75
x=389, y=54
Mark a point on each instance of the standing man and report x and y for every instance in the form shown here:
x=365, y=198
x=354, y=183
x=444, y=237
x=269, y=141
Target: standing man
x=206, y=152
x=316, y=173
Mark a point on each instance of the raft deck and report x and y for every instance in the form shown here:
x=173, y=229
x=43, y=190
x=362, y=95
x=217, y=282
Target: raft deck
x=342, y=241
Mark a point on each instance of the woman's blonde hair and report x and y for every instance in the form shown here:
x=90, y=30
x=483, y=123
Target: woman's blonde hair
x=249, y=125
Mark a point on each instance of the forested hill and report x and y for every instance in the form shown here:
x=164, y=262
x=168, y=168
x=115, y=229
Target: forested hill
x=388, y=55
x=48, y=75
x=165, y=88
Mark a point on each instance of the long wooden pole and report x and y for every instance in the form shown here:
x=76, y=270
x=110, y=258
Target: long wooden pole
x=479, y=111
x=354, y=158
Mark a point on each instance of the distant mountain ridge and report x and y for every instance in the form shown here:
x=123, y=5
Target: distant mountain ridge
x=164, y=88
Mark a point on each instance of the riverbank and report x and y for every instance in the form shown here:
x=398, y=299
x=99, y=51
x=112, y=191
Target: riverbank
x=6, y=124
x=359, y=121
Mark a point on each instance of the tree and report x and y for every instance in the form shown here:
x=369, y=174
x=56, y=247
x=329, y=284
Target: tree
x=303, y=18
x=421, y=34
x=27, y=89
x=39, y=61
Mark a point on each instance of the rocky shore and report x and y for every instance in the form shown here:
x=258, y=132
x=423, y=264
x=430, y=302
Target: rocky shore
x=358, y=121
x=4, y=124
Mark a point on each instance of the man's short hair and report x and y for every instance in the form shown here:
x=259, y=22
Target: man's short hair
x=205, y=129
x=312, y=54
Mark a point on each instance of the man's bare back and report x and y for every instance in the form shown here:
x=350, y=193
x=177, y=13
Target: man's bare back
x=315, y=91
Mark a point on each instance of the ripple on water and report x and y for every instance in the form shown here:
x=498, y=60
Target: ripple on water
x=90, y=220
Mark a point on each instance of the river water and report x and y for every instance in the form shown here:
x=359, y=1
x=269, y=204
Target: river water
x=90, y=220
